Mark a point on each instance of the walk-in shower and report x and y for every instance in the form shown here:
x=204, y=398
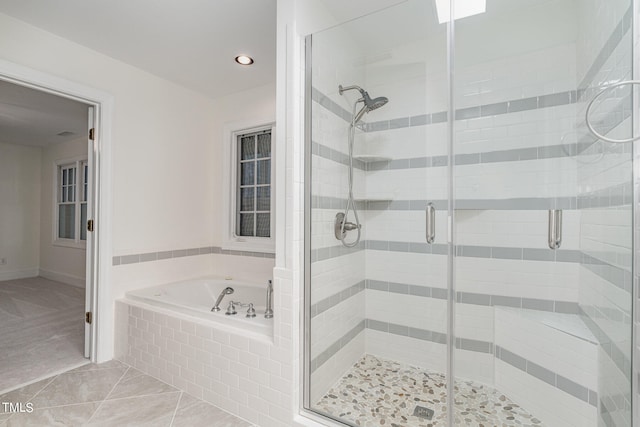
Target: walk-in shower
x=484, y=273
x=342, y=223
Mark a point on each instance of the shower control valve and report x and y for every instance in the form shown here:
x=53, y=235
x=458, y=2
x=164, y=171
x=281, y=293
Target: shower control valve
x=340, y=230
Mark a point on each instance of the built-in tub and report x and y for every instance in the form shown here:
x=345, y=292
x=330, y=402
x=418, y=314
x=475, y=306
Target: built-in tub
x=195, y=298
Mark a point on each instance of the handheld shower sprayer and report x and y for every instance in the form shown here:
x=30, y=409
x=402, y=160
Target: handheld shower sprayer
x=342, y=225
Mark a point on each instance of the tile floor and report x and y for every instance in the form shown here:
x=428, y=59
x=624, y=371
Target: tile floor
x=42, y=329
x=379, y=392
x=111, y=394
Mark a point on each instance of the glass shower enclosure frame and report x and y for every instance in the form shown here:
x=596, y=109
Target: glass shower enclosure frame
x=495, y=234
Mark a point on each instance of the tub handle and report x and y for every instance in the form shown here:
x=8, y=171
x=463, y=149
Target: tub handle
x=251, y=312
x=231, y=309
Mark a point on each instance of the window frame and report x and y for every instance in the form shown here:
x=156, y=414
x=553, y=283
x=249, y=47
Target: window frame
x=78, y=162
x=231, y=179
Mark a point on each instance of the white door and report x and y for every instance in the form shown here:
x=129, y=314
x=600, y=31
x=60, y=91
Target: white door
x=92, y=141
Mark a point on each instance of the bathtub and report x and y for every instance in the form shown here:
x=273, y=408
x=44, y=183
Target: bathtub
x=193, y=299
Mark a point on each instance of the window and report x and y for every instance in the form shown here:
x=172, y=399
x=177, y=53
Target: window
x=253, y=189
x=249, y=190
x=72, y=186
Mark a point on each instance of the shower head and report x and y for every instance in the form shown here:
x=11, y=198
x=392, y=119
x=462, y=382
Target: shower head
x=369, y=104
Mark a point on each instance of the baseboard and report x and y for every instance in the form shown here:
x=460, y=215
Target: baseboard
x=68, y=279
x=20, y=274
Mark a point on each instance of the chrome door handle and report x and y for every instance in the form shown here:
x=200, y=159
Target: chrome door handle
x=555, y=228
x=431, y=223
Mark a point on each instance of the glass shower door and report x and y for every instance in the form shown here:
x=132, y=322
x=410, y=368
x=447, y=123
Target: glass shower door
x=543, y=219
x=376, y=291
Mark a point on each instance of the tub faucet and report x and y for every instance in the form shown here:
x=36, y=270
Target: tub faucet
x=268, y=313
x=226, y=291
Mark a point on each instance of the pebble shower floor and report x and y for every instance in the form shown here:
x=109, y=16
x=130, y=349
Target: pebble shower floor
x=379, y=392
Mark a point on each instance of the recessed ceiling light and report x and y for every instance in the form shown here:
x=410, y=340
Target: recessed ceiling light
x=244, y=60
x=462, y=9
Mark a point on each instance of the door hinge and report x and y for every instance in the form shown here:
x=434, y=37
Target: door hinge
x=90, y=225
x=88, y=317
x=92, y=132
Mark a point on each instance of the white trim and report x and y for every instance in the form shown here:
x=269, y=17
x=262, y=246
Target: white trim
x=68, y=279
x=18, y=274
x=229, y=175
x=98, y=278
x=76, y=161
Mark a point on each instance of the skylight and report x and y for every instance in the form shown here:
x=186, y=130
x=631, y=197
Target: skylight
x=462, y=9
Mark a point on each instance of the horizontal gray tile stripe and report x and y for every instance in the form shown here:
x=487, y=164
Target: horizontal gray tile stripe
x=617, y=195
x=334, y=252
x=614, y=117
x=618, y=404
x=330, y=105
x=520, y=154
x=335, y=299
x=180, y=253
x=506, y=107
x=567, y=307
x=326, y=202
x=524, y=203
x=618, y=276
x=619, y=358
x=556, y=380
x=486, y=110
x=494, y=252
x=609, y=47
x=337, y=346
x=335, y=155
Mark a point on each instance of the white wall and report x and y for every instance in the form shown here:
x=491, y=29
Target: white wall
x=58, y=262
x=249, y=107
x=164, y=165
x=19, y=210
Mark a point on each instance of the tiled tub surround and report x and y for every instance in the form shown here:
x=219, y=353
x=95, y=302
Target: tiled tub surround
x=250, y=377
x=196, y=298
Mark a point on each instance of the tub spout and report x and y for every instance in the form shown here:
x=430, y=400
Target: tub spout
x=268, y=313
x=226, y=291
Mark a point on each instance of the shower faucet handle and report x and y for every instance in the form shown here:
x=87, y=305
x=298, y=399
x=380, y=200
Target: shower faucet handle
x=231, y=309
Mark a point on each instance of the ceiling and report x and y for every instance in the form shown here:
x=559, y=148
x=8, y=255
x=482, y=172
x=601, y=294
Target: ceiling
x=190, y=42
x=35, y=118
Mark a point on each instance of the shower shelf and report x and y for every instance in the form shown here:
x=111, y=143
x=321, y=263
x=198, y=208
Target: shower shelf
x=370, y=158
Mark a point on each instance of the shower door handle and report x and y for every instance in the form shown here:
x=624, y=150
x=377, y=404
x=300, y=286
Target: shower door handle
x=555, y=228
x=431, y=223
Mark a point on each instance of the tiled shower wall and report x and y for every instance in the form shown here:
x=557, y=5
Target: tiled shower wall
x=338, y=273
x=521, y=149
x=605, y=189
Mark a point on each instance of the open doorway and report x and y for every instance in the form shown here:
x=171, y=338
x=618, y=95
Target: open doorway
x=46, y=205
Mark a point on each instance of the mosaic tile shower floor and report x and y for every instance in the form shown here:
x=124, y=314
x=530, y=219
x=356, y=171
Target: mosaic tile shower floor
x=379, y=392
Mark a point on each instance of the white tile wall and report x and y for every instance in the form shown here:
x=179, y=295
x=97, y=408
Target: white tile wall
x=425, y=354
x=537, y=72
x=551, y=405
x=515, y=278
x=551, y=348
x=323, y=378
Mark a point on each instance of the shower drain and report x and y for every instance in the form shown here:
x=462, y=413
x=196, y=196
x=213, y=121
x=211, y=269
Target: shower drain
x=422, y=412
